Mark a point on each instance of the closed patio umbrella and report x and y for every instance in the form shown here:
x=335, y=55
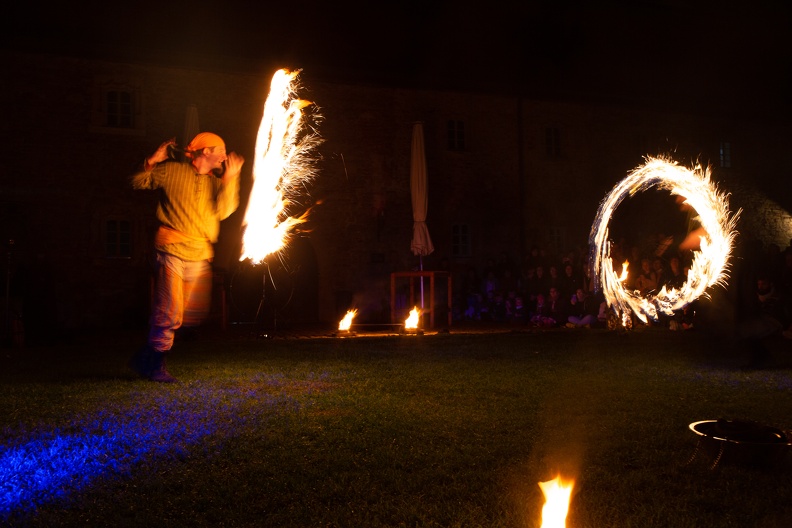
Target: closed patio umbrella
x=191, y=127
x=421, y=241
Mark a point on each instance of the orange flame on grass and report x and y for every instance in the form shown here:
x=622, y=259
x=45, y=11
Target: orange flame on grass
x=557, y=495
x=346, y=322
x=281, y=169
x=412, y=320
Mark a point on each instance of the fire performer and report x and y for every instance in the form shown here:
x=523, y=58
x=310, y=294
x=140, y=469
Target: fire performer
x=195, y=196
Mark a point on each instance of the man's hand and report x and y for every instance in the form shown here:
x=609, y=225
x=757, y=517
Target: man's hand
x=234, y=164
x=160, y=155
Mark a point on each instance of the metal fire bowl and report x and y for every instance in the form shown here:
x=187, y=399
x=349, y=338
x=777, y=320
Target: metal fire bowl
x=741, y=442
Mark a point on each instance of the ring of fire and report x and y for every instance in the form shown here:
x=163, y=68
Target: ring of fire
x=710, y=263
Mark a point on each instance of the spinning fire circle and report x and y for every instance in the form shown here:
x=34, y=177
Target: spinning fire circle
x=710, y=263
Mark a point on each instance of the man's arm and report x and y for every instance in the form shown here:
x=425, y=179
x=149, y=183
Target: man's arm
x=143, y=180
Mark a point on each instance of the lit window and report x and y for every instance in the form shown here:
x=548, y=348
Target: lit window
x=456, y=135
x=118, y=239
x=460, y=241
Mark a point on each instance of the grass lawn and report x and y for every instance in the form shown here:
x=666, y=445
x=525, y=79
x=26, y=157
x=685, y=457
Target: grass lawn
x=445, y=430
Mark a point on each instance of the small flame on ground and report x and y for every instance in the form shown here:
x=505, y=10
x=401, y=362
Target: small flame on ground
x=557, y=495
x=281, y=168
x=710, y=264
x=412, y=320
x=346, y=322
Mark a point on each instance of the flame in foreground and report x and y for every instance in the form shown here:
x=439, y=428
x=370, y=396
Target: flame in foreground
x=346, y=322
x=557, y=495
x=412, y=320
x=710, y=264
x=281, y=168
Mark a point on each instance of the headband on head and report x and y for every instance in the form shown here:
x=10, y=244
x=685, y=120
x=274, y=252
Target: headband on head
x=205, y=140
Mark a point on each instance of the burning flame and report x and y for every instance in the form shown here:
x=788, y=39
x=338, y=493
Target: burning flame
x=346, y=322
x=412, y=320
x=710, y=264
x=557, y=495
x=281, y=168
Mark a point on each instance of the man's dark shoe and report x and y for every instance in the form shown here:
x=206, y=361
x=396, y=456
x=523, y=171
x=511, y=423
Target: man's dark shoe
x=158, y=371
x=141, y=362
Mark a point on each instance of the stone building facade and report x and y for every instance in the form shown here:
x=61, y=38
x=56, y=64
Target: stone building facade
x=506, y=174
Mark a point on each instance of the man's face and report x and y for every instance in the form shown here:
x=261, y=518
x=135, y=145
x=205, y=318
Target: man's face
x=215, y=156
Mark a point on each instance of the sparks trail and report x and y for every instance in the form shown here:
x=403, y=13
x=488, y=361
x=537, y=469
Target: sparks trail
x=282, y=168
x=710, y=264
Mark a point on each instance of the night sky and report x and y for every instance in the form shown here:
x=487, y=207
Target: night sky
x=660, y=52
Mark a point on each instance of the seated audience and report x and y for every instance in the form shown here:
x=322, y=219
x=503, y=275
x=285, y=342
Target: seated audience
x=583, y=309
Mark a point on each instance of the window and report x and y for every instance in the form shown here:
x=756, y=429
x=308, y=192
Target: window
x=460, y=241
x=553, y=142
x=118, y=239
x=117, y=108
x=456, y=135
x=725, y=154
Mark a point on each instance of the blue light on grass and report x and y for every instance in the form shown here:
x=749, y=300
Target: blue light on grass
x=43, y=466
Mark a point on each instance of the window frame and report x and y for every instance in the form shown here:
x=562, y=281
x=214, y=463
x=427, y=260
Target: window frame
x=114, y=249
x=461, y=241
x=125, y=115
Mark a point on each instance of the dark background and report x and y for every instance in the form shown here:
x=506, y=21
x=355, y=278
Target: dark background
x=670, y=53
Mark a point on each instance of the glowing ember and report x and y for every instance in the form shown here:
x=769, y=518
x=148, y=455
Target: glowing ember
x=412, y=320
x=557, y=495
x=710, y=264
x=346, y=322
x=281, y=168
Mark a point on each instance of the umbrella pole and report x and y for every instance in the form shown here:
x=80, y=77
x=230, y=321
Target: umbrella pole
x=420, y=267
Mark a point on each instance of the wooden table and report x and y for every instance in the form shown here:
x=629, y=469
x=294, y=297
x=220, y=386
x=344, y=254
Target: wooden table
x=412, y=275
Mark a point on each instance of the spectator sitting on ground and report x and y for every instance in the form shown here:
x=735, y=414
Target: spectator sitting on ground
x=470, y=294
x=766, y=317
x=570, y=280
x=660, y=270
x=675, y=277
x=538, y=310
x=498, y=309
x=518, y=310
x=583, y=310
x=555, y=311
x=683, y=319
x=526, y=280
x=554, y=280
x=646, y=281
x=540, y=284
